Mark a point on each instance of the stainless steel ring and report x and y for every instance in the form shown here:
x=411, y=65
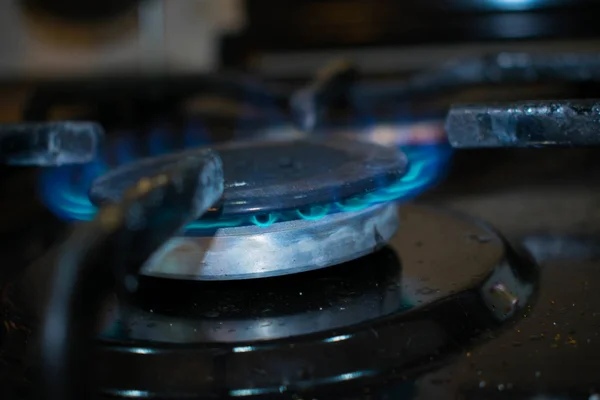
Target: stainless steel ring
x=279, y=249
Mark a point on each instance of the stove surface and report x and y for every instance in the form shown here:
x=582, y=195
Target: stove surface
x=544, y=200
x=551, y=351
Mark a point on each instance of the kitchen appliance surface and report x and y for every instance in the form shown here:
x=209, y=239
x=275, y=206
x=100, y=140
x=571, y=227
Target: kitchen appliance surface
x=368, y=233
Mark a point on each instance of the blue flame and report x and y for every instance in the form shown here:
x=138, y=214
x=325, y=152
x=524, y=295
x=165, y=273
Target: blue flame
x=428, y=165
x=64, y=190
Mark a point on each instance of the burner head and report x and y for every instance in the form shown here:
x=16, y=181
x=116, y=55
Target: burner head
x=274, y=176
x=290, y=247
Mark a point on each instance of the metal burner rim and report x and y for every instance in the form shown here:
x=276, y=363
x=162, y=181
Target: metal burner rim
x=249, y=252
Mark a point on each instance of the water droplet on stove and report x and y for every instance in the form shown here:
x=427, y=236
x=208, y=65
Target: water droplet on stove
x=481, y=384
x=500, y=387
x=538, y=374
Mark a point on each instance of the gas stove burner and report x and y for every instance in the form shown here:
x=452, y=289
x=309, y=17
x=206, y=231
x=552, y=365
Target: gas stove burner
x=287, y=207
x=263, y=177
x=443, y=280
x=282, y=248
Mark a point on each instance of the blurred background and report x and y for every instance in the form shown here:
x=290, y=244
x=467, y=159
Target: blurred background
x=50, y=39
x=64, y=41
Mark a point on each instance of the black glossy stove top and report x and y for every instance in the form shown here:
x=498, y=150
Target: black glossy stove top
x=551, y=350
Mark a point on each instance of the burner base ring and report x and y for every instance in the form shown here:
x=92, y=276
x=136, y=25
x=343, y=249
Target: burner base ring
x=282, y=248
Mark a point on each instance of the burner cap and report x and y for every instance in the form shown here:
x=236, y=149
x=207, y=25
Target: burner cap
x=275, y=176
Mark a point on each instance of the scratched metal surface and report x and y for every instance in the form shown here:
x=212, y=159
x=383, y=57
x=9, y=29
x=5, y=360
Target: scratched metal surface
x=565, y=123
